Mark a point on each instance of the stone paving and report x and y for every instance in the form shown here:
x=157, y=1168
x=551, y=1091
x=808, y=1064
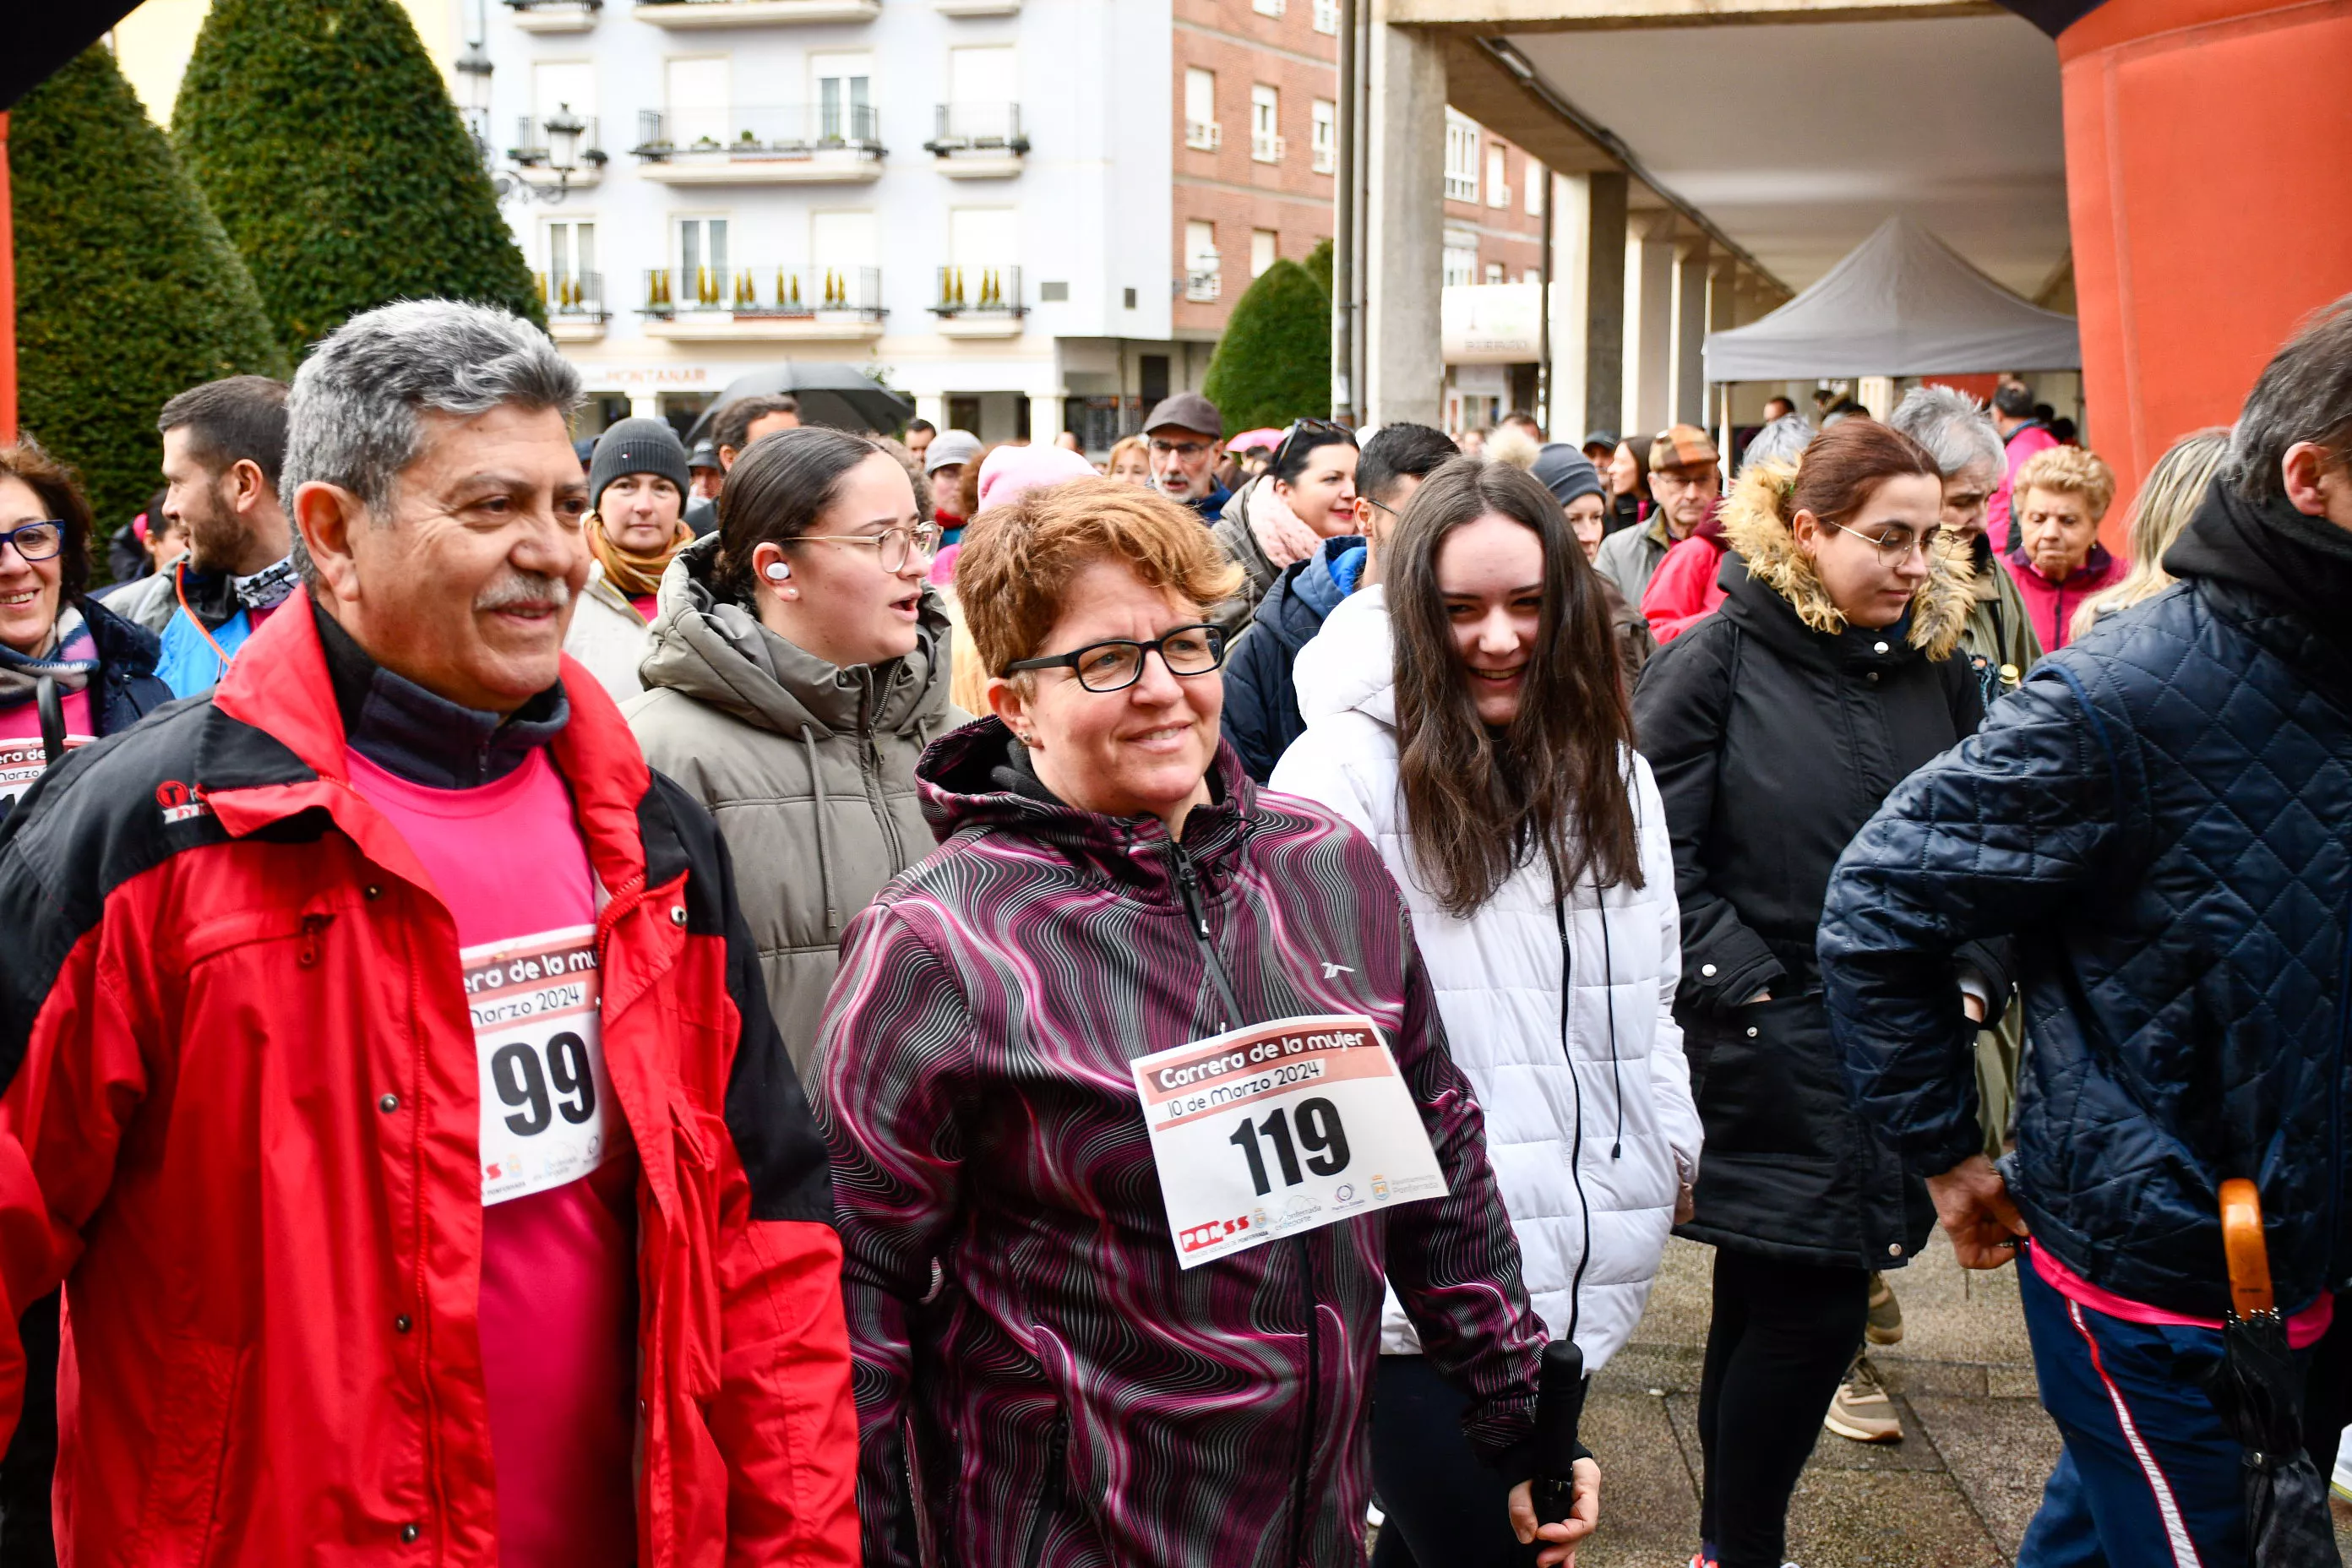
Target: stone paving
x=1956, y=1492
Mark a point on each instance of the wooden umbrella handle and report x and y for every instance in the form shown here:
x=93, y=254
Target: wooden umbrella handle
x=2241, y=1242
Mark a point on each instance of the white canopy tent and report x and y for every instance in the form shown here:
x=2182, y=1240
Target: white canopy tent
x=1901, y=303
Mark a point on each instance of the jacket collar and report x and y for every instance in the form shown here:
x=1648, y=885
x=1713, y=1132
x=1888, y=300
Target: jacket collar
x=285, y=754
x=958, y=779
x=124, y=648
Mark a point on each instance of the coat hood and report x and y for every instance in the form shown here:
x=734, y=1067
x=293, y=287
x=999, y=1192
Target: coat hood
x=1306, y=592
x=1753, y=525
x=1351, y=667
x=714, y=650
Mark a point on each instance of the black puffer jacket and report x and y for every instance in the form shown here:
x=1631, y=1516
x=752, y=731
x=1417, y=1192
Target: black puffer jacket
x=2162, y=813
x=1261, y=705
x=1775, y=731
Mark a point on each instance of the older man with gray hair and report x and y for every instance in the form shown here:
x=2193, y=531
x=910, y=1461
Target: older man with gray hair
x=1999, y=639
x=389, y=1081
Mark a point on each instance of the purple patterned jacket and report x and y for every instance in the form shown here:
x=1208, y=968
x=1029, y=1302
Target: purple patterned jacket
x=1016, y=1312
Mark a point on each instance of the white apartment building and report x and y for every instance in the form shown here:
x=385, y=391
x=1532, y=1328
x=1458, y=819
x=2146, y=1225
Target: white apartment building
x=970, y=198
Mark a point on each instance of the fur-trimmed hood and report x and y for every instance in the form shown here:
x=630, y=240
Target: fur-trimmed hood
x=1754, y=526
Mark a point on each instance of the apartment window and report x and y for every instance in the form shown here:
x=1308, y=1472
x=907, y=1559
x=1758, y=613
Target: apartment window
x=1267, y=7
x=1536, y=175
x=1265, y=122
x=1265, y=247
x=699, y=97
x=1325, y=121
x=1494, y=273
x=1327, y=15
x=1461, y=158
x=845, y=107
x=702, y=275
x=1461, y=263
x=1499, y=187
x=1201, y=263
x=1201, y=131
x=572, y=282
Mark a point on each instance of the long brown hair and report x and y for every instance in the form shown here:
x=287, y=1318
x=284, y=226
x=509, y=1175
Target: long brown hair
x=1553, y=784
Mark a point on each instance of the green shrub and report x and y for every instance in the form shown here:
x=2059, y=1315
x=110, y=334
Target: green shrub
x=1274, y=364
x=127, y=291
x=1318, y=265
x=323, y=135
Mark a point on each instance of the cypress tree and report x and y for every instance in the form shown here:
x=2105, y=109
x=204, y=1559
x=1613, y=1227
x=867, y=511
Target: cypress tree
x=1274, y=364
x=127, y=291
x=323, y=135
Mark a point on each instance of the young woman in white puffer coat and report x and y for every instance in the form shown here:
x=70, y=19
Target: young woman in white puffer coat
x=1466, y=713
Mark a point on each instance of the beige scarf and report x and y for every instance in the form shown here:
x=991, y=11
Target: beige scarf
x=632, y=575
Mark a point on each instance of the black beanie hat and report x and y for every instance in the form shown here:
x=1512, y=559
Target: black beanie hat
x=638, y=447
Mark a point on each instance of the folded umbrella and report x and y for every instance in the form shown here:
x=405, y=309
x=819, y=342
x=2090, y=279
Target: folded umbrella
x=2257, y=1389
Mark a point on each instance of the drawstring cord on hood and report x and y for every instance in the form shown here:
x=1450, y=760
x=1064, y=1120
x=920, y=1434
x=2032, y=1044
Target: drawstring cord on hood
x=824, y=837
x=1576, y=1083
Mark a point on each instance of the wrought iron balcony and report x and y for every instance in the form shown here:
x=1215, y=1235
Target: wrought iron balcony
x=977, y=128
x=1203, y=280
x=535, y=144
x=794, y=131
x=980, y=291
x=573, y=294
x=764, y=293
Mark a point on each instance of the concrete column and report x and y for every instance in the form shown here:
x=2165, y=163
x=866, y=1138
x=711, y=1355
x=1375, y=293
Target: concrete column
x=1599, y=303
x=1045, y=418
x=1649, y=325
x=1404, y=261
x=1689, y=398
x=932, y=406
x=1722, y=289
x=645, y=406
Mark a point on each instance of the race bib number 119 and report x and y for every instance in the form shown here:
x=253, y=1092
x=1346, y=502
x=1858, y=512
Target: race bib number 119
x=1281, y=1128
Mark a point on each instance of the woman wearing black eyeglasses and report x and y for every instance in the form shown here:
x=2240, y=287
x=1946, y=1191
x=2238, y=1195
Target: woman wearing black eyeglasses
x=1306, y=495
x=1114, y=1272
x=1775, y=727
x=71, y=669
x=796, y=667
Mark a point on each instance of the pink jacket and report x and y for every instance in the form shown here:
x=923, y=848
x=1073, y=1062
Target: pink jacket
x=2051, y=605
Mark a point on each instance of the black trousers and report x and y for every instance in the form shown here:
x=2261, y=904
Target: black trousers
x=1780, y=1339
x=1444, y=1508
x=31, y=1461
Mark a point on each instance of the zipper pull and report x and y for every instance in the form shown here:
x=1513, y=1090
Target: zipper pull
x=1189, y=882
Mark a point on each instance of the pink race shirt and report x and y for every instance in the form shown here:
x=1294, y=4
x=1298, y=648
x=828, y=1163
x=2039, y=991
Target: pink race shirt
x=558, y=1314
x=22, y=758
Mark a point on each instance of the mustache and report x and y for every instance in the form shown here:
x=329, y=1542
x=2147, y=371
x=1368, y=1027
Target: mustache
x=524, y=588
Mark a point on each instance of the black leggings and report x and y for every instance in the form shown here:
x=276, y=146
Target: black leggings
x=1444, y=1507
x=1780, y=1342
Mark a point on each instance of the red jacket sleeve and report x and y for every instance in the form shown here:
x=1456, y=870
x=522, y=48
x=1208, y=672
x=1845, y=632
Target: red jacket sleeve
x=1683, y=590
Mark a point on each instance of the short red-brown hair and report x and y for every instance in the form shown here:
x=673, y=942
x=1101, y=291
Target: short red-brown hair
x=1018, y=561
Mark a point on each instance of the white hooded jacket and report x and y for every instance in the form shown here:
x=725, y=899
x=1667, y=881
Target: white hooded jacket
x=1596, y=1151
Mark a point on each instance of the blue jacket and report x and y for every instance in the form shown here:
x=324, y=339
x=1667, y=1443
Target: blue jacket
x=1261, y=704
x=2163, y=815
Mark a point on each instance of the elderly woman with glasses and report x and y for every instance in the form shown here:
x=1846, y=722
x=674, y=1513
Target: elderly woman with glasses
x=1136, y=1091
x=1775, y=727
x=71, y=669
x=797, y=664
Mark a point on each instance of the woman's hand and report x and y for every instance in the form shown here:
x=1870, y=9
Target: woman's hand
x=1559, y=1540
x=1763, y=995
x=1685, y=1203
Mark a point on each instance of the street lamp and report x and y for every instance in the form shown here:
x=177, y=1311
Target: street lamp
x=564, y=130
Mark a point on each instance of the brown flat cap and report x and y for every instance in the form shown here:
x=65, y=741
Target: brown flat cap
x=1186, y=411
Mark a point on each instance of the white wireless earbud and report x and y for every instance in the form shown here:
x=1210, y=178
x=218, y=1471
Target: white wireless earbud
x=778, y=571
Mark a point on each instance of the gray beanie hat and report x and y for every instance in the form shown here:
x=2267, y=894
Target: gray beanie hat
x=638, y=446
x=1567, y=472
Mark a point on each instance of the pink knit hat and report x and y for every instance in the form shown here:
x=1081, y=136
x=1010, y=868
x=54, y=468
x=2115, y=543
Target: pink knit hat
x=1011, y=472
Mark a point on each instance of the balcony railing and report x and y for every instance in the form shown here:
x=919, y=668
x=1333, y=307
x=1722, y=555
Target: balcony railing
x=796, y=131
x=530, y=149
x=1327, y=15
x=1327, y=157
x=977, y=128
x=1264, y=148
x=556, y=8
x=762, y=294
x=573, y=296
x=1203, y=135
x=1203, y=280
x=980, y=291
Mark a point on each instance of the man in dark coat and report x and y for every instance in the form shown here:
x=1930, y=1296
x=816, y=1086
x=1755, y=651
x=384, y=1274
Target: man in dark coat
x=2162, y=813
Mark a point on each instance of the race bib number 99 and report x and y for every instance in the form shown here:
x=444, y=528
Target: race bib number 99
x=539, y=1040
x=1280, y=1128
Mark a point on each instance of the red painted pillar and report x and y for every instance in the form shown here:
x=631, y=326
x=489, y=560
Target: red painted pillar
x=2209, y=174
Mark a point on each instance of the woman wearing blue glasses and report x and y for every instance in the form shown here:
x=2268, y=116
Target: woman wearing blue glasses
x=71, y=670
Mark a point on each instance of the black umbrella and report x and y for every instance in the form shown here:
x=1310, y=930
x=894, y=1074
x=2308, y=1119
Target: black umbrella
x=841, y=395
x=2258, y=1392
x=1559, y=1406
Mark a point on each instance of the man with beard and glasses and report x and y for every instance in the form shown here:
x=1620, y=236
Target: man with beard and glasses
x=389, y=1079
x=222, y=445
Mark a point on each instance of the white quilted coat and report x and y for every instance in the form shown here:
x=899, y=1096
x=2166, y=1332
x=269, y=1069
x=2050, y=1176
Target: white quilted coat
x=1498, y=981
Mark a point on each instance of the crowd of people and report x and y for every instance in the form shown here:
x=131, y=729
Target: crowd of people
x=1025, y=1013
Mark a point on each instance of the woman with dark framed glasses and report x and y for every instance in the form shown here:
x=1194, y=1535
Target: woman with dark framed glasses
x=71, y=669
x=1775, y=727
x=1306, y=495
x=796, y=666
x=1135, y=1091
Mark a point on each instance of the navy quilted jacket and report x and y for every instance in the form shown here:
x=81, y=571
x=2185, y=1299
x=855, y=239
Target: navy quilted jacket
x=2163, y=814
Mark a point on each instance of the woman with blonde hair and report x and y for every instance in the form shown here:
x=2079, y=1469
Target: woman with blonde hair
x=1131, y=461
x=2167, y=502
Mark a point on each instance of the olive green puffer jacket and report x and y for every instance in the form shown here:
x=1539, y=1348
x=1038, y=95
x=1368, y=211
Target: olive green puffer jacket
x=809, y=769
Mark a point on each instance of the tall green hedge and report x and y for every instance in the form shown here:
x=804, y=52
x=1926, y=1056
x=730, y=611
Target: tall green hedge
x=1274, y=364
x=324, y=138
x=127, y=291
